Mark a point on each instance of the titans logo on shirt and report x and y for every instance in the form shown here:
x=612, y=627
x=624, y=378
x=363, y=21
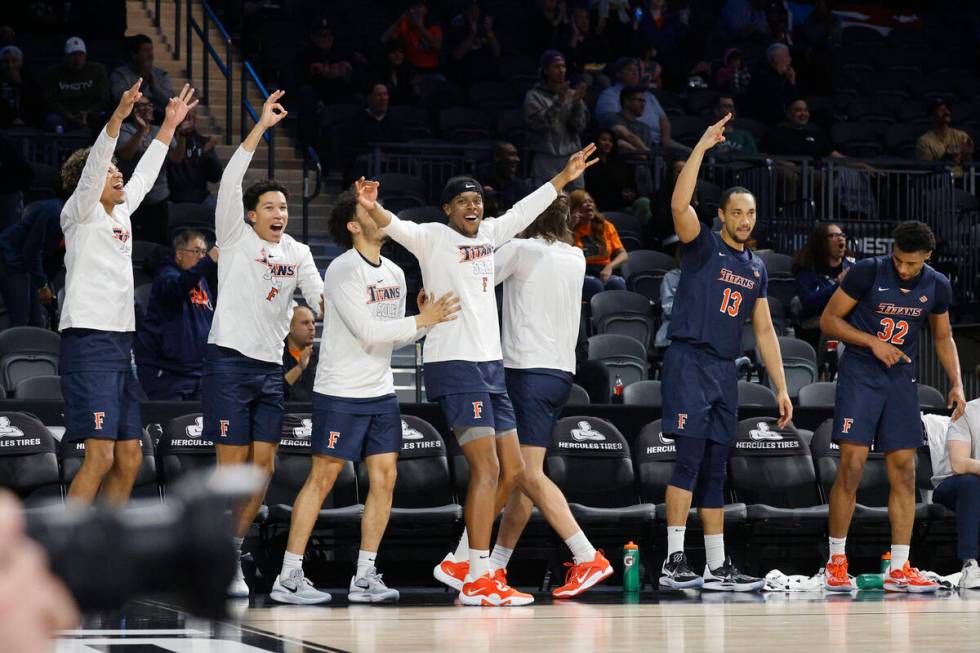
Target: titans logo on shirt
x=886, y=308
x=473, y=252
x=383, y=293
x=120, y=234
x=730, y=277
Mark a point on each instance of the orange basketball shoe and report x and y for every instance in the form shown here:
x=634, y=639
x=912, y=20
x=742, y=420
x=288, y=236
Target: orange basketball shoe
x=583, y=575
x=908, y=579
x=835, y=577
x=488, y=590
x=451, y=573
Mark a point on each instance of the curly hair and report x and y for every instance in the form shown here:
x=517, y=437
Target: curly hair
x=343, y=211
x=71, y=169
x=252, y=194
x=914, y=236
x=576, y=199
x=552, y=225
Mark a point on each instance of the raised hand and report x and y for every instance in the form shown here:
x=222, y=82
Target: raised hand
x=714, y=134
x=272, y=111
x=128, y=100
x=577, y=164
x=434, y=311
x=366, y=192
x=178, y=107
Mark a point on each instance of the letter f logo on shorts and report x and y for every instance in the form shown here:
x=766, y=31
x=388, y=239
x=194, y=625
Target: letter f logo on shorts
x=477, y=409
x=332, y=439
x=99, y=418
x=846, y=426
x=223, y=428
x=681, y=421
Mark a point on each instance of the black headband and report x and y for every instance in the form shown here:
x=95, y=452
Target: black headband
x=460, y=186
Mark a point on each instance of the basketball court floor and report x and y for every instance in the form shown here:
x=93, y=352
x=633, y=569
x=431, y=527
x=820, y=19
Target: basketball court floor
x=603, y=620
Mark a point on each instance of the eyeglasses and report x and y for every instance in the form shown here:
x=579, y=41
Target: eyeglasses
x=197, y=251
x=839, y=234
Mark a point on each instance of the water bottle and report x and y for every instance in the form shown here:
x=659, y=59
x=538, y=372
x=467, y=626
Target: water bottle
x=618, y=390
x=886, y=564
x=870, y=582
x=631, y=567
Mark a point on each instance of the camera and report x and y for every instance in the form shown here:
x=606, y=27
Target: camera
x=181, y=549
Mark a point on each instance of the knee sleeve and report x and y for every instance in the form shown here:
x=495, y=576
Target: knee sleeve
x=690, y=454
x=710, y=489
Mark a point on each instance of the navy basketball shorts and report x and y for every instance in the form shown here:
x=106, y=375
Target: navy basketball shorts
x=538, y=398
x=101, y=405
x=700, y=394
x=876, y=405
x=340, y=433
x=242, y=399
x=470, y=409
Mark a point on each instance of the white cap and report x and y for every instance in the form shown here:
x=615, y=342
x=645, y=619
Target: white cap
x=74, y=44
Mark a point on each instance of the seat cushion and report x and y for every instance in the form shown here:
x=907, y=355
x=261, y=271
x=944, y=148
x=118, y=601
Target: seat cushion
x=879, y=514
x=762, y=512
x=734, y=513
x=641, y=513
x=327, y=518
x=436, y=515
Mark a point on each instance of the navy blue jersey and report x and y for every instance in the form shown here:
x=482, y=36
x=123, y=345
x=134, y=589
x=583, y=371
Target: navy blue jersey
x=716, y=295
x=891, y=309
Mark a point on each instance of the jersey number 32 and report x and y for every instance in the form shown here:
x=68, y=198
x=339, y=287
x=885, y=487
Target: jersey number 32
x=893, y=331
x=731, y=301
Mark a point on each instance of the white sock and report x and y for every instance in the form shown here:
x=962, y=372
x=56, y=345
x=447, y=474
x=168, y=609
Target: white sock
x=365, y=561
x=479, y=563
x=675, y=539
x=500, y=556
x=714, y=550
x=463, y=548
x=837, y=546
x=582, y=550
x=900, y=555
x=290, y=561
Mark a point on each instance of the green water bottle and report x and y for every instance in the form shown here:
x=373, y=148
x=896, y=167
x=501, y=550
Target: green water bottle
x=631, y=568
x=870, y=582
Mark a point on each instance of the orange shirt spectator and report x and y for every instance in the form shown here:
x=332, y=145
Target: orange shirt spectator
x=599, y=241
x=422, y=42
x=598, y=251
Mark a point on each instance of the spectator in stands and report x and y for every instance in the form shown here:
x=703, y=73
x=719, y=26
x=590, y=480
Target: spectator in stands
x=325, y=76
x=191, y=164
x=398, y=74
x=581, y=42
x=819, y=269
x=24, y=246
x=375, y=124
x=668, y=288
x=956, y=477
x=658, y=29
x=612, y=182
x=773, y=87
x=822, y=29
x=547, y=21
x=500, y=180
x=473, y=46
x=76, y=89
x=156, y=82
x=421, y=38
x=942, y=142
x=135, y=136
x=555, y=115
x=797, y=136
x=734, y=76
x=16, y=176
x=21, y=100
x=744, y=20
x=632, y=135
x=737, y=141
x=599, y=241
x=299, y=356
x=172, y=337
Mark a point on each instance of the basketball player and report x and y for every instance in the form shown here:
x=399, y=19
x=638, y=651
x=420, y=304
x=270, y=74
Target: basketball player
x=723, y=286
x=463, y=360
x=542, y=274
x=98, y=320
x=355, y=410
x=261, y=266
x=880, y=308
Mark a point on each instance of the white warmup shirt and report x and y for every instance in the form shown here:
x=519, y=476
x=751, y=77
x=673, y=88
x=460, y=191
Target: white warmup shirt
x=98, y=245
x=452, y=262
x=542, y=303
x=965, y=429
x=364, y=321
x=256, y=278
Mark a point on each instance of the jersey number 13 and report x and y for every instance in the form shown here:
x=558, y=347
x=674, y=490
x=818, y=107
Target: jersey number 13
x=731, y=301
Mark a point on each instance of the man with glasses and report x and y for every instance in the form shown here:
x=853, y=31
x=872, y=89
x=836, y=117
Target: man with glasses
x=627, y=125
x=737, y=141
x=172, y=337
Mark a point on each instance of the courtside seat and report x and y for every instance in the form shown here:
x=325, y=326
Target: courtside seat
x=771, y=470
x=341, y=507
x=28, y=460
x=643, y=393
x=182, y=448
x=25, y=352
x=625, y=313
x=654, y=455
x=423, y=490
x=590, y=461
x=72, y=454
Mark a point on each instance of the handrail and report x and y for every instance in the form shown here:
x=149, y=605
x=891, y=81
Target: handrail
x=208, y=18
x=248, y=110
x=310, y=158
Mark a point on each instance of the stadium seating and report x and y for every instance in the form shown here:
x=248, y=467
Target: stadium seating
x=818, y=395
x=71, y=455
x=623, y=356
x=799, y=364
x=625, y=313
x=930, y=398
x=39, y=387
x=644, y=272
x=183, y=448
x=28, y=460
x=578, y=396
x=756, y=395
x=26, y=352
x=643, y=393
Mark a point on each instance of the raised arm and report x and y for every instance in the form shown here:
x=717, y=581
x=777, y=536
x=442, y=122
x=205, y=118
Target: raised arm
x=411, y=236
x=528, y=209
x=942, y=336
x=767, y=344
x=228, y=214
x=686, y=223
x=148, y=168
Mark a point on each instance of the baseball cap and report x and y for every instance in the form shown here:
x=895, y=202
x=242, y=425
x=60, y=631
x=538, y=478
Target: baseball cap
x=74, y=44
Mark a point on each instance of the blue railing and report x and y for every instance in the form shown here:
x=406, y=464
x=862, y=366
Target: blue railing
x=248, y=73
x=202, y=30
x=311, y=162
